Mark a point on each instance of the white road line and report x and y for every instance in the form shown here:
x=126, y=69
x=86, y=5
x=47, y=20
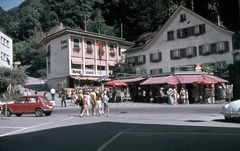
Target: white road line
x=113, y=138
x=11, y=127
x=23, y=129
x=67, y=119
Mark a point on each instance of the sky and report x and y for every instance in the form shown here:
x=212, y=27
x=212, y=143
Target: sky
x=8, y=4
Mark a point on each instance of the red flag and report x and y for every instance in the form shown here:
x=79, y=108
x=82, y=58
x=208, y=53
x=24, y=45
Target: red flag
x=99, y=44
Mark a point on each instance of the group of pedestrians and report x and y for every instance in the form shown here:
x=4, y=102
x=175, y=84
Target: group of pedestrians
x=97, y=103
x=177, y=98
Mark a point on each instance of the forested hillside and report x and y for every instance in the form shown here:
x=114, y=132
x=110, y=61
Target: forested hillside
x=27, y=23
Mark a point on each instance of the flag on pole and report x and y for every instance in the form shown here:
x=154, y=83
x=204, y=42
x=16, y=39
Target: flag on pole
x=99, y=44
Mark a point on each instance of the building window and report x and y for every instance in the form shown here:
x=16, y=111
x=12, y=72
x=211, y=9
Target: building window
x=111, y=46
x=101, y=68
x=155, y=57
x=183, y=17
x=89, y=44
x=131, y=59
x=88, y=67
x=206, y=49
x=141, y=59
x=182, y=33
x=75, y=43
x=176, y=54
x=156, y=71
x=4, y=42
x=189, y=51
x=220, y=47
x=196, y=30
x=170, y=35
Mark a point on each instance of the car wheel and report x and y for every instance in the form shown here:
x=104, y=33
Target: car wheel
x=228, y=118
x=8, y=114
x=18, y=115
x=48, y=113
x=38, y=112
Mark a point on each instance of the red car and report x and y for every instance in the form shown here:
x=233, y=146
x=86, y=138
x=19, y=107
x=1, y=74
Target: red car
x=36, y=104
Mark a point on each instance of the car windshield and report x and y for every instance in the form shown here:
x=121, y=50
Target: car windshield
x=44, y=99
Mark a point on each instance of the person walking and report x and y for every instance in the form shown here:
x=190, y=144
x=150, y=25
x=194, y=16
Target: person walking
x=85, y=106
x=63, y=99
x=105, y=103
x=73, y=96
x=53, y=91
x=99, y=106
x=93, y=102
x=29, y=92
x=175, y=96
x=80, y=101
x=144, y=95
x=88, y=100
x=25, y=93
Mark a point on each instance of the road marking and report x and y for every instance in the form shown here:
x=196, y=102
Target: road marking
x=181, y=133
x=23, y=129
x=11, y=127
x=67, y=119
x=113, y=138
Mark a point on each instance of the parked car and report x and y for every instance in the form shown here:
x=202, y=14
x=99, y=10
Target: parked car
x=231, y=110
x=32, y=104
x=68, y=92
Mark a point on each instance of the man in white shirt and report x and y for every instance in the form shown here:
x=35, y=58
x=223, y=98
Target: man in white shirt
x=53, y=91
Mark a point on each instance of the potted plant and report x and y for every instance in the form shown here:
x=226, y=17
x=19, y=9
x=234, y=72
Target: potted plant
x=112, y=53
x=89, y=50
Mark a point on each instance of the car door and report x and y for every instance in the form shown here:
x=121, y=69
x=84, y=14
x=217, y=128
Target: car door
x=19, y=106
x=32, y=104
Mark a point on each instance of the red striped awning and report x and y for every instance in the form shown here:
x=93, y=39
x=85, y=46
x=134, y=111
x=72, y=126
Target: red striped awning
x=132, y=80
x=154, y=80
x=76, y=60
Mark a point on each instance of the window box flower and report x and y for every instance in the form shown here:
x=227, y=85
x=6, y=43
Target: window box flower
x=112, y=54
x=89, y=50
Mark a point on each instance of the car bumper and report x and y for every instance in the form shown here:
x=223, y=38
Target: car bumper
x=231, y=115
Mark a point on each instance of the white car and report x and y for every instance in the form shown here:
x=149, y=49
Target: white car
x=231, y=110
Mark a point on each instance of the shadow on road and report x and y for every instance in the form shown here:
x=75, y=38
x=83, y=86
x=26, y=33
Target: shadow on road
x=109, y=136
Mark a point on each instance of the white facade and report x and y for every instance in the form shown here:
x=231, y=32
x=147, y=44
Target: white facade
x=73, y=56
x=187, y=42
x=6, y=51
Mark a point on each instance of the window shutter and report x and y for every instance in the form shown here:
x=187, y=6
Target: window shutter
x=202, y=29
x=226, y=44
x=151, y=57
x=160, y=56
x=200, y=50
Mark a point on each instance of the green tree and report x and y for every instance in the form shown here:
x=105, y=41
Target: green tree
x=123, y=66
x=13, y=77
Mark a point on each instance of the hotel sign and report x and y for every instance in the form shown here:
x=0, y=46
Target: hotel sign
x=76, y=71
x=64, y=44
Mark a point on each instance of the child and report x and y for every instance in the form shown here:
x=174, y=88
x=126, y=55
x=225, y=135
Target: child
x=99, y=104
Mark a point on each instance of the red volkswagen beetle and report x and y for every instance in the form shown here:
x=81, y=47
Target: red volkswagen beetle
x=32, y=104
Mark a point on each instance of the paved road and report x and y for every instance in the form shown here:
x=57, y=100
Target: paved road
x=131, y=126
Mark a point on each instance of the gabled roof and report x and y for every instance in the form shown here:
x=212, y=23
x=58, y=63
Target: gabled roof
x=170, y=20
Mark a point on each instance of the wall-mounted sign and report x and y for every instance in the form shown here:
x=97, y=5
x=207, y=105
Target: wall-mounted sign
x=76, y=71
x=198, y=68
x=64, y=44
x=89, y=72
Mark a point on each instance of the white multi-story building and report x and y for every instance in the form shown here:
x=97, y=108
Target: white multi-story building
x=186, y=40
x=75, y=57
x=6, y=50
